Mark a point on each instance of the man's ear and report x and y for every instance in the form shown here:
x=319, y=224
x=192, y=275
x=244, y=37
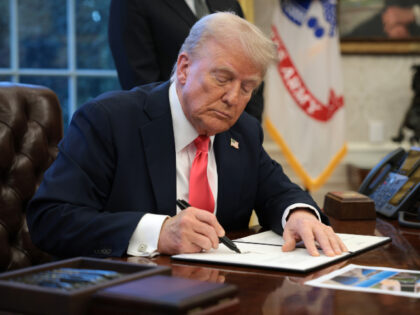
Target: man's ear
x=182, y=67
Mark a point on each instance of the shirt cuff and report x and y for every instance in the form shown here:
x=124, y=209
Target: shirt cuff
x=144, y=240
x=298, y=205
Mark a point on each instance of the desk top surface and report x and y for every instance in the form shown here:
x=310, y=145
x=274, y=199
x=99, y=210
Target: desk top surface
x=274, y=292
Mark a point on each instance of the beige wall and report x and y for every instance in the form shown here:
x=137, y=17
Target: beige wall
x=377, y=91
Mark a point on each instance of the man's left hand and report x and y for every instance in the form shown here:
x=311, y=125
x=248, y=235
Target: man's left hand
x=305, y=226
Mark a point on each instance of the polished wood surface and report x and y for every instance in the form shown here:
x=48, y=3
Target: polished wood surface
x=273, y=292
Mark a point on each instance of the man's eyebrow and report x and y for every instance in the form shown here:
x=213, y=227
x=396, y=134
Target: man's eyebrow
x=254, y=79
x=225, y=70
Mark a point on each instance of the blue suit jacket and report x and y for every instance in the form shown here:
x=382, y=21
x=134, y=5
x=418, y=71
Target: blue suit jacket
x=117, y=162
x=145, y=37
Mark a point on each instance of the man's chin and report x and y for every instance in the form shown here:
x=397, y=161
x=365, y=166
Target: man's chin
x=212, y=125
x=214, y=129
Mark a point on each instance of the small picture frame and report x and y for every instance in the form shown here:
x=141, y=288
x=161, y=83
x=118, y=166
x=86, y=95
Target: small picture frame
x=364, y=30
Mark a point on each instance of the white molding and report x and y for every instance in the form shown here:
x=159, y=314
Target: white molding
x=362, y=154
x=367, y=155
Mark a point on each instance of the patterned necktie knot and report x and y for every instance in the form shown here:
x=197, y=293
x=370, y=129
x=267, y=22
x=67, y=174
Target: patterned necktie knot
x=202, y=143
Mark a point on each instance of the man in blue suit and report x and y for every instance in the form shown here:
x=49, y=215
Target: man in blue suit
x=145, y=37
x=127, y=157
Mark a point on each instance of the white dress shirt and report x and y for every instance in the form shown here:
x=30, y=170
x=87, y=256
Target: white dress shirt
x=190, y=3
x=144, y=240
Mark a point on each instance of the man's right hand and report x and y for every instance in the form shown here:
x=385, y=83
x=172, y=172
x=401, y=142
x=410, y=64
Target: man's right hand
x=190, y=231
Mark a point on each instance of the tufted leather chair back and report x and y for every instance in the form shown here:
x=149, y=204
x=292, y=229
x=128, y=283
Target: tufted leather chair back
x=30, y=128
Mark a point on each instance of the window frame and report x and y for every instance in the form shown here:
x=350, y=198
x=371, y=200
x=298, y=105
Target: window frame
x=71, y=72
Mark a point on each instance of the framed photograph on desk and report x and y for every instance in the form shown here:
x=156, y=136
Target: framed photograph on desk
x=379, y=26
x=65, y=286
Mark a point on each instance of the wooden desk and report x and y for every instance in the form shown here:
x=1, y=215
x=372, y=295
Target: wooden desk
x=273, y=292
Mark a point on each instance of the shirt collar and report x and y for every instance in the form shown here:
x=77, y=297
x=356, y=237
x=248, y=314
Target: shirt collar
x=190, y=3
x=184, y=132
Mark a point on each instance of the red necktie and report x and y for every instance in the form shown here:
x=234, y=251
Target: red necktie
x=200, y=194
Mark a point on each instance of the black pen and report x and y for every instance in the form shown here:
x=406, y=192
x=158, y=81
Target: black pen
x=182, y=204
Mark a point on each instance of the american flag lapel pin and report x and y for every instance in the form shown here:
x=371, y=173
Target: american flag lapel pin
x=234, y=143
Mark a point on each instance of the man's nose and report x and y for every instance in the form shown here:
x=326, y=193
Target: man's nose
x=232, y=94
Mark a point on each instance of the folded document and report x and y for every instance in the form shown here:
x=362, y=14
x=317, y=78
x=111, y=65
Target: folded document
x=264, y=250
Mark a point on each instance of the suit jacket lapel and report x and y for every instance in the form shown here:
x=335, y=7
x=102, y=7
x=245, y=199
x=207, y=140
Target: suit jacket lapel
x=159, y=148
x=230, y=173
x=182, y=9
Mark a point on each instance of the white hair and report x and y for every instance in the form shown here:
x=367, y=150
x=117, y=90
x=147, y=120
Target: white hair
x=227, y=27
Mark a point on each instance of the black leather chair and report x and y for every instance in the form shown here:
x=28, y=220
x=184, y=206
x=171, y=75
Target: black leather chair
x=30, y=128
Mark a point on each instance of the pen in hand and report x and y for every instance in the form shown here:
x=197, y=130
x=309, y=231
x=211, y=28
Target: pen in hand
x=182, y=204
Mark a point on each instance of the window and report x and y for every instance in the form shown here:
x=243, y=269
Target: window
x=61, y=44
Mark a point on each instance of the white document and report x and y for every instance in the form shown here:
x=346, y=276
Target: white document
x=372, y=279
x=265, y=250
